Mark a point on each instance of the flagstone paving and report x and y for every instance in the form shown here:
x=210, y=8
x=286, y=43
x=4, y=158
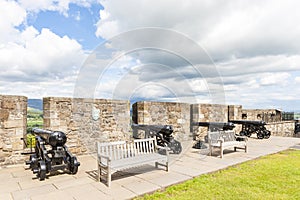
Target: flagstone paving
x=18, y=182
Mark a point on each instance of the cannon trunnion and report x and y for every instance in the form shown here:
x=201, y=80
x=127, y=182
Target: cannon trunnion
x=51, y=153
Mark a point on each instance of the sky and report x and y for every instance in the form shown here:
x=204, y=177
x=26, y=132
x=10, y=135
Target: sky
x=195, y=51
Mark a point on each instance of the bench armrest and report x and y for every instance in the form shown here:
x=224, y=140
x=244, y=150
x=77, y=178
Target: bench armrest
x=163, y=148
x=220, y=140
x=107, y=158
x=241, y=138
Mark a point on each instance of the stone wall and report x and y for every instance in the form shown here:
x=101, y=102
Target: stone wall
x=234, y=112
x=87, y=120
x=207, y=113
x=267, y=115
x=284, y=128
x=163, y=113
x=13, y=114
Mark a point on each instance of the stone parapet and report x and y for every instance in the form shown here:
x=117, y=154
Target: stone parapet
x=13, y=121
x=267, y=115
x=162, y=113
x=207, y=113
x=87, y=120
x=284, y=128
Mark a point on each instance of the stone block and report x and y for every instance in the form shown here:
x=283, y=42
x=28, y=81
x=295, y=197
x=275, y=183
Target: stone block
x=13, y=123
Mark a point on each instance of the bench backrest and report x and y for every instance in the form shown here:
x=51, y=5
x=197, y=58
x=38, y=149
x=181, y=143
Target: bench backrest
x=122, y=149
x=226, y=136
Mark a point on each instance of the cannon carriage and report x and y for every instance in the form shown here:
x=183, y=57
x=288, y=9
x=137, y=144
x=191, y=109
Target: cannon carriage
x=51, y=154
x=250, y=127
x=163, y=134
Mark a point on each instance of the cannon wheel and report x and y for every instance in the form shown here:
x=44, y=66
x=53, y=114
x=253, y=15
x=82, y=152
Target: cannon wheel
x=245, y=133
x=267, y=134
x=176, y=147
x=42, y=170
x=33, y=161
x=260, y=134
x=74, y=166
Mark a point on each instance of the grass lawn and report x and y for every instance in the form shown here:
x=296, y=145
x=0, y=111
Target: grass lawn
x=270, y=177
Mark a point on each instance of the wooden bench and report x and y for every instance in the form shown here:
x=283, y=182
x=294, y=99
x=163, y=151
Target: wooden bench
x=121, y=155
x=224, y=140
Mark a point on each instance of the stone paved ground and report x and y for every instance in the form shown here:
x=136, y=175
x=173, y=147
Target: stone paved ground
x=19, y=183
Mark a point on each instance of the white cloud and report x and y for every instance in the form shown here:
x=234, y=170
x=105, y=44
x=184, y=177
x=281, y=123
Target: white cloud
x=32, y=56
x=275, y=78
x=41, y=53
x=224, y=28
x=9, y=19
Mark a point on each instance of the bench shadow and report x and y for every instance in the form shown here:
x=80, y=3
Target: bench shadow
x=216, y=153
x=93, y=174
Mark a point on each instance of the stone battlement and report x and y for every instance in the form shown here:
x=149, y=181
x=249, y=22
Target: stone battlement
x=86, y=120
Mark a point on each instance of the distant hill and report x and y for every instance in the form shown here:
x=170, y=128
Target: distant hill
x=35, y=103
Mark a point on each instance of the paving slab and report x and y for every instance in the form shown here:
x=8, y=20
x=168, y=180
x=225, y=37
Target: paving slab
x=52, y=195
x=72, y=183
x=169, y=179
x=5, y=196
x=115, y=191
x=7, y=187
x=87, y=191
x=141, y=187
x=28, y=193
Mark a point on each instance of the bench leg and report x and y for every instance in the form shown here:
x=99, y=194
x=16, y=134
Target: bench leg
x=221, y=153
x=108, y=176
x=210, y=150
x=167, y=166
x=246, y=149
x=99, y=173
x=234, y=148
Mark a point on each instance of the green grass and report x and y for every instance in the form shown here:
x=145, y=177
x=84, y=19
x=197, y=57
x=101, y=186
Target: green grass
x=270, y=177
x=34, y=119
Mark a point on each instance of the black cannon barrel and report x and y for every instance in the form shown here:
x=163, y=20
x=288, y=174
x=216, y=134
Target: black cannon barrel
x=218, y=125
x=257, y=123
x=54, y=138
x=168, y=129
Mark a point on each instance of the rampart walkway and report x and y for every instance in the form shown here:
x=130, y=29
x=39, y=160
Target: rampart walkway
x=18, y=183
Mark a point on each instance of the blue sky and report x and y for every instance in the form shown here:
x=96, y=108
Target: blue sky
x=79, y=25
x=246, y=52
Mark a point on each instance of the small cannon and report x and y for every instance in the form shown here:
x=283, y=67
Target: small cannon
x=216, y=126
x=58, y=157
x=297, y=127
x=249, y=127
x=163, y=134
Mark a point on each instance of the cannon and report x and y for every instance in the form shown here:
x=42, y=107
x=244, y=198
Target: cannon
x=249, y=127
x=163, y=134
x=51, y=153
x=216, y=126
x=297, y=127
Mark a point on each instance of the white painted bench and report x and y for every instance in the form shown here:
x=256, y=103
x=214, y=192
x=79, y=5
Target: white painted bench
x=121, y=155
x=225, y=140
